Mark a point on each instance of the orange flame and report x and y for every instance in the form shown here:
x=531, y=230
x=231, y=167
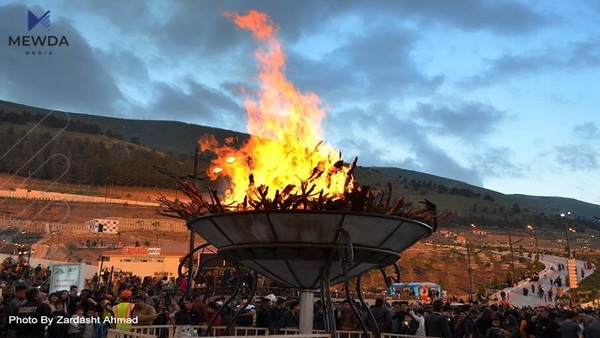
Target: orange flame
x=285, y=127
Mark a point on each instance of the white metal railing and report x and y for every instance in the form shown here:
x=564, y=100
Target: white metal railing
x=169, y=331
x=340, y=333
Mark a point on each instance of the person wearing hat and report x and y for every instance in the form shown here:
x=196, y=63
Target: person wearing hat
x=262, y=314
x=122, y=311
x=106, y=306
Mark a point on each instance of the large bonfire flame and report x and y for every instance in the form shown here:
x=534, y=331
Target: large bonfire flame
x=285, y=164
x=285, y=128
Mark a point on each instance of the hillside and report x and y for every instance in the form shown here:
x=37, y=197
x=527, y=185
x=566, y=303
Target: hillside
x=142, y=139
x=167, y=136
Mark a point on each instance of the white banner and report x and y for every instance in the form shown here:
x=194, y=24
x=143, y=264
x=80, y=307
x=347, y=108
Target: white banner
x=66, y=274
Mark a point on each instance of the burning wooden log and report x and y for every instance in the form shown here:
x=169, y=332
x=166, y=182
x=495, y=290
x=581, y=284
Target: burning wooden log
x=357, y=198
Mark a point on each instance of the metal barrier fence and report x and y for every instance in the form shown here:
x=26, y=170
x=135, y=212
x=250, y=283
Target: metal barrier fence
x=125, y=224
x=340, y=333
x=173, y=331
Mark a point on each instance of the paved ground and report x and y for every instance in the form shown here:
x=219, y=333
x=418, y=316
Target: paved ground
x=515, y=294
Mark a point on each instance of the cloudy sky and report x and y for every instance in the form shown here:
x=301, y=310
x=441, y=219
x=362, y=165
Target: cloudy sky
x=499, y=94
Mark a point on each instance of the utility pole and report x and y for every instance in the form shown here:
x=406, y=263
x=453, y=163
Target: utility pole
x=512, y=257
x=564, y=216
x=537, y=247
x=470, y=248
x=106, y=193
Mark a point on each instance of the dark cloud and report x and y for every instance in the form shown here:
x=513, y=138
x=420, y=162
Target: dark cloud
x=509, y=66
x=382, y=137
x=194, y=101
x=376, y=65
x=584, y=54
x=200, y=28
x=133, y=16
x=70, y=79
x=499, y=162
x=577, y=157
x=466, y=120
x=437, y=161
x=505, y=17
x=588, y=131
x=573, y=56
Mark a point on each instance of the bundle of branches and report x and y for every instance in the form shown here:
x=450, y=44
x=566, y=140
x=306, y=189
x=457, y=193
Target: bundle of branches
x=304, y=196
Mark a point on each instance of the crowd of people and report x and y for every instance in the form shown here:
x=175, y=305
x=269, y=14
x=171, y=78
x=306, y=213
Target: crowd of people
x=132, y=301
x=14, y=269
x=443, y=319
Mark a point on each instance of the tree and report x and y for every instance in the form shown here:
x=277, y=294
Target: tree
x=482, y=289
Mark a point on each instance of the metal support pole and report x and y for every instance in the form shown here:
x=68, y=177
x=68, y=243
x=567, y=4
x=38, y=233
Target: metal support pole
x=110, y=281
x=470, y=270
x=188, y=291
x=307, y=303
x=537, y=247
x=512, y=257
x=567, y=234
x=97, y=286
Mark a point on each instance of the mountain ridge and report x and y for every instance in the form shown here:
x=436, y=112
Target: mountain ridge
x=175, y=136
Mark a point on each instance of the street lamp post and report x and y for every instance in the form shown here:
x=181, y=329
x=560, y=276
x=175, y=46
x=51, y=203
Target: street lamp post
x=564, y=216
x=575, y=233
x=537, y=248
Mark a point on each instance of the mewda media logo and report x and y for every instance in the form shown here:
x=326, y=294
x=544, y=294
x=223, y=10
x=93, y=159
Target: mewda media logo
x=33, y=20
x=38, y=44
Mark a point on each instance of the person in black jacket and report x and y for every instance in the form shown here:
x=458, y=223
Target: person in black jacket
x=464, y=326
x=544, y=326
x=276, y=315
x=262, y=314
x=436, y=325
x=409, y=326
x=383, y=318
x=59, y=328
x=291, y=318
x=31, y=317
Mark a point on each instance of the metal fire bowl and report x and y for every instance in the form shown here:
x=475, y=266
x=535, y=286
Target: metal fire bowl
x=295, y=247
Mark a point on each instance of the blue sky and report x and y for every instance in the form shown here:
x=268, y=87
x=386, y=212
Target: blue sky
x=499, y=94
